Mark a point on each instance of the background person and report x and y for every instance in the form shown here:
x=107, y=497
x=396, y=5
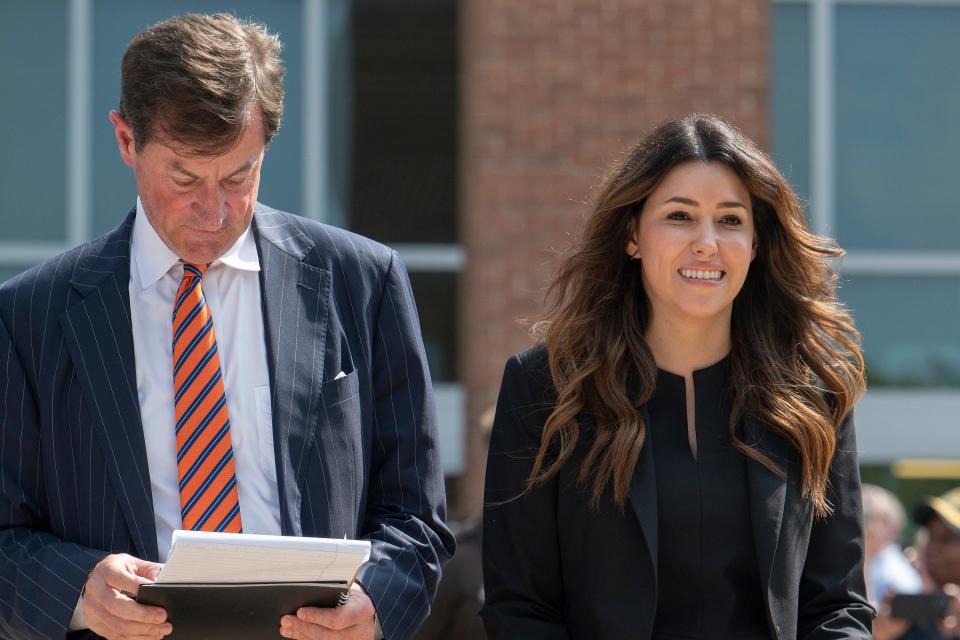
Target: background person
x=887, y=568
x=211, y=363
x=456, y=610
x=940, y=516
x=676, y=456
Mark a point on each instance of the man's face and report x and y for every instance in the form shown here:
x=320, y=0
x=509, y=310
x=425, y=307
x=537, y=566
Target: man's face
x=199, y=205
x=942, y=554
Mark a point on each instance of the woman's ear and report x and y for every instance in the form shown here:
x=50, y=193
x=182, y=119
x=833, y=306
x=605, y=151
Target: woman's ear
x=753, y=253
x=633, y=238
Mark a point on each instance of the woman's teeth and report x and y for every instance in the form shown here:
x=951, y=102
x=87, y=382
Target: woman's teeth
x=701, y=275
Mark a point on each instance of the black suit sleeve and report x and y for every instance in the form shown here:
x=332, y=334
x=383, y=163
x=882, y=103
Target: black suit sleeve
x=521, y=554
x=832, y=592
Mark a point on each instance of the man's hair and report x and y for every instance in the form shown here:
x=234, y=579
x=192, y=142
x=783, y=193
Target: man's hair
x=880, y=505
x=198, y=80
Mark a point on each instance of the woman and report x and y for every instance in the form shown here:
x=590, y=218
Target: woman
x=675, y=458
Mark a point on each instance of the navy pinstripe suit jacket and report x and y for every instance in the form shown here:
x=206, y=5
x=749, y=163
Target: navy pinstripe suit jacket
x=356, y=456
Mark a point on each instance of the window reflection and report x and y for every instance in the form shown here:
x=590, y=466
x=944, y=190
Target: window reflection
x=910, y=333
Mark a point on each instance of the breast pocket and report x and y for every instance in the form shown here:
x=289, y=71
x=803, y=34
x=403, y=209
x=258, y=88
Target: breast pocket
x=338, y=428
x=336, y=470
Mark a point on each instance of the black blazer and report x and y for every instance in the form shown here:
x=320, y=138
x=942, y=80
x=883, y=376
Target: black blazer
x=556, y=568
x=354, y=453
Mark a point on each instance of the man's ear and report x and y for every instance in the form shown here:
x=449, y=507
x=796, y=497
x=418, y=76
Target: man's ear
x=125, y=142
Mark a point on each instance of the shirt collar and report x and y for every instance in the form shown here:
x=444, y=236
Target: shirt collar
x=153, y=258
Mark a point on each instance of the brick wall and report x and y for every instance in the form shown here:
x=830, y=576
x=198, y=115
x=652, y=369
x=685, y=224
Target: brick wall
x=552, y=91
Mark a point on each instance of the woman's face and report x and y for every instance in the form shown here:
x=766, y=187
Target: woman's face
x=695, y=240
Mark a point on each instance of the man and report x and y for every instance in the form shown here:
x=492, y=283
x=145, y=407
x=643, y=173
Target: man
x=887, y=569
x=213, y=364
x=456, y=611
x=940, y=516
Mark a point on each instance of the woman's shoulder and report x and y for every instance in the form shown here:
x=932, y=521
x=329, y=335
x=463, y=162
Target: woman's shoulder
x=534, y=358
x=527, y=374
x=532, y=365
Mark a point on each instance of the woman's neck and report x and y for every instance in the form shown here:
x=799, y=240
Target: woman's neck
x=684, y=347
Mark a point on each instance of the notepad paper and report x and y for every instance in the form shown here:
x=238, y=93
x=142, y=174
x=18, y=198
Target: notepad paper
x=205, y=557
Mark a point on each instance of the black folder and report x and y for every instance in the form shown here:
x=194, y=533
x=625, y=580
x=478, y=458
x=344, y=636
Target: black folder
x=236, y=611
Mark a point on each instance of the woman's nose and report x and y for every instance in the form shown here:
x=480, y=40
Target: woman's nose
x=705, y=243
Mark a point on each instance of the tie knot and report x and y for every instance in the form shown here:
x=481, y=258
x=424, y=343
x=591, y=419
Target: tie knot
x=195, y=270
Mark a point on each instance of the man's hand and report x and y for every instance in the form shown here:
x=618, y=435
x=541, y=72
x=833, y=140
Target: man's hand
x=950, y=626
x=108, y=609
x=351, y=621
x=885, y=627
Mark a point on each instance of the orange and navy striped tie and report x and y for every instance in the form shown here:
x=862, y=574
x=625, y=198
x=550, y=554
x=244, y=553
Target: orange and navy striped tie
x=208, y=482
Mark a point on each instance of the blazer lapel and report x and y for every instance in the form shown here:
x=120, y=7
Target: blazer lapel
x=768, y=492
x=295, y=306
x=98, y=331
x=643, y=495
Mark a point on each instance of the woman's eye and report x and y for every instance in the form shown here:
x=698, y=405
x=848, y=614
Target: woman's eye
x=732, y=220
x=678, y=215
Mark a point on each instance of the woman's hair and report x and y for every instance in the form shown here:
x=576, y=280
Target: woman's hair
x=796, y=364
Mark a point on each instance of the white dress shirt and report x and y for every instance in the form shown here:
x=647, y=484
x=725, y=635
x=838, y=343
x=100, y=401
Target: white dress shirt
x=890, y=570
x=231, y=287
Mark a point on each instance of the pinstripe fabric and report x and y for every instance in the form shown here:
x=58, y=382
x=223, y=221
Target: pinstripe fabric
x=208, y=480
x=356, y=455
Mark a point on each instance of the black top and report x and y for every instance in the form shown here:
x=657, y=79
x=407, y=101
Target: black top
x=708, y=581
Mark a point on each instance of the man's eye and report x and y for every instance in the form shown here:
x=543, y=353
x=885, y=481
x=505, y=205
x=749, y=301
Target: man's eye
x=183, y=183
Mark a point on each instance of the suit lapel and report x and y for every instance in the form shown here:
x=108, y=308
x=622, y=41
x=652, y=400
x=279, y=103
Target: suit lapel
x=768, y=492
x=98, y=331
x=643, y=495
x=295, y=298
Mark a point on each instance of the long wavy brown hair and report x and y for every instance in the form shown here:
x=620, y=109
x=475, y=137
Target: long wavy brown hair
x=796, y=363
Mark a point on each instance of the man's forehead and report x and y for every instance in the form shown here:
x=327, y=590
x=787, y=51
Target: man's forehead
x=176, y=156
x=184, y=153
x=188, y=151
x=192, y=164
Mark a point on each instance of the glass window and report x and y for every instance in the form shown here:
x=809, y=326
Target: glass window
x=790, y=94
x=436, y=295
x=909, y=325
x=33, y=115
x=8, y=272
x=115, y=23
x=897, y=99
x=404, y=169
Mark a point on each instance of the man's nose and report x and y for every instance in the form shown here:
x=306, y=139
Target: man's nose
x=211, y=206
